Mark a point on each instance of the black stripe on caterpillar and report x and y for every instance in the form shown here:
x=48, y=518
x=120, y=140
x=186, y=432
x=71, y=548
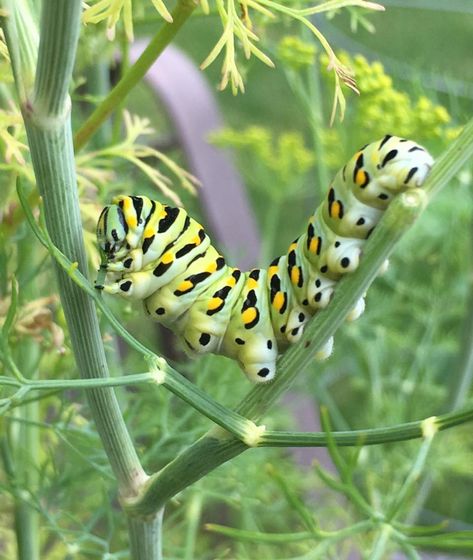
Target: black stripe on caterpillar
x=158, y=254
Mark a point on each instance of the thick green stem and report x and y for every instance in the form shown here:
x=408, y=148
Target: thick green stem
x=58, y=40
x=146, y=537
x=47, y=121
x=21, y=35
x=192, y=464
x=165, y=35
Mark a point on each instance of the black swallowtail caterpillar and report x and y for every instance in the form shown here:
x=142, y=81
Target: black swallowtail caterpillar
x=159, y=254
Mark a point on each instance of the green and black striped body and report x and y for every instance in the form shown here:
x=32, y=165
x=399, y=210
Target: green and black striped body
x=158, y=254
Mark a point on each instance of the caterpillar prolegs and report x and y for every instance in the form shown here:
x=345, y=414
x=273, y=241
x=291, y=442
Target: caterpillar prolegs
x=158, y=254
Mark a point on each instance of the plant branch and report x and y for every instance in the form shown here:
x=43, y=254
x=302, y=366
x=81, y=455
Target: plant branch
x=375, y=436
x=66, y=384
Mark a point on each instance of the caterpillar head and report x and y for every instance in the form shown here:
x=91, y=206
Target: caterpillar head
x=111, y=232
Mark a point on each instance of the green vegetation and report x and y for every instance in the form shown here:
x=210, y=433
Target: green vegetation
x=99, y=433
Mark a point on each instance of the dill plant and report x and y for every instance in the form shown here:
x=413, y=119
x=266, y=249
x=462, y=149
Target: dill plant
x=56, y=450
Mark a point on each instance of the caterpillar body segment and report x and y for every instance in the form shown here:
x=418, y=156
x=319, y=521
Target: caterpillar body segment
x=159, y=254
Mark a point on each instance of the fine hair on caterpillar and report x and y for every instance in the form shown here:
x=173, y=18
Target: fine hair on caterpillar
x=159, y=254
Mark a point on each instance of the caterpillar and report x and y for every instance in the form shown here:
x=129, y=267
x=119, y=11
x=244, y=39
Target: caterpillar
x=159, y=254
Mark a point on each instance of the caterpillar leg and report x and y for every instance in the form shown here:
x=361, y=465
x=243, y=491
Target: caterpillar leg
x=258, y=357
x=384, y=267
x=133, y=262
x=256, y=352
x=134, y=285
x=357, y=311
x=296, y=321
x=326, y=351
x=319, y=290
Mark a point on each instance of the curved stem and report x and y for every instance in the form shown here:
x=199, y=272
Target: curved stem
x=375, y=436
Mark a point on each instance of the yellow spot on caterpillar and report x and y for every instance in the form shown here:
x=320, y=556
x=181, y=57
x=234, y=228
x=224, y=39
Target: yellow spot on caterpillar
x=335, y=209
x=314, y=245
x=185, y=286
x=292, y=247
x=196, y=240
x=272, y=270
x=129, y=212
x=360, y=178
x=231, y=282
x=214, y=303
x=295, y=275
x=252, y=284
x=167, y=258
x=278, y=301
x=212, y=267
x=248, y=315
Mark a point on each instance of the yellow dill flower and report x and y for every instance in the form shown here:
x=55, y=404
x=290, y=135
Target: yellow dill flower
x=296, y=53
